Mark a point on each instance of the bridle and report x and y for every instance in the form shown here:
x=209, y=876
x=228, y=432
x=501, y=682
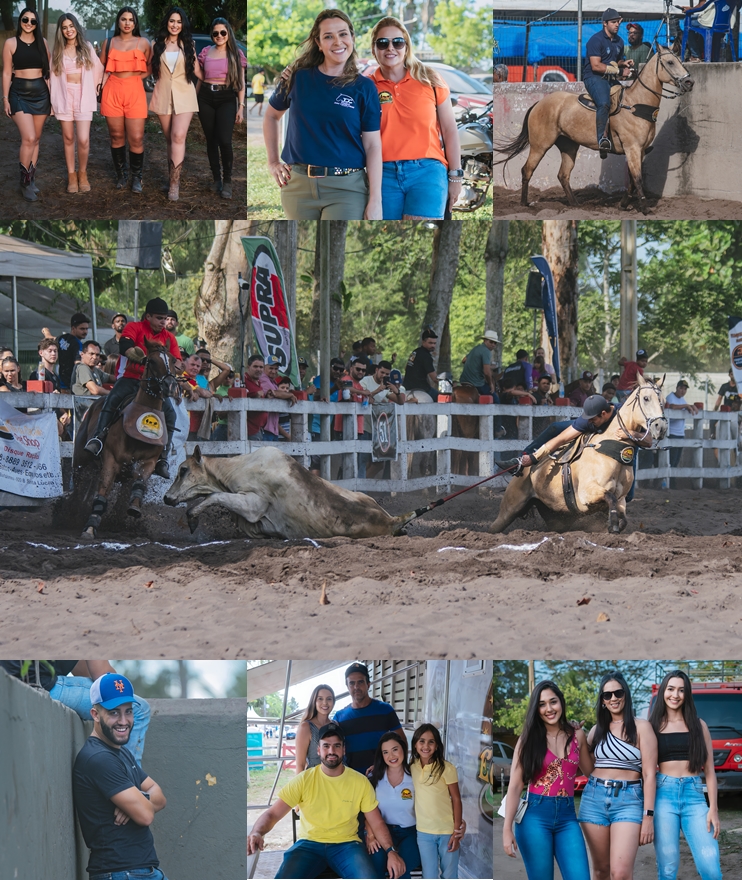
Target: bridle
x=678, y=81
x=158, y=386
x=649, y=421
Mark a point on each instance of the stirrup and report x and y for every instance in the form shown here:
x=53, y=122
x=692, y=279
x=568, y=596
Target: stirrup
x=94, y=446
x=161, y=468
x=605, y=146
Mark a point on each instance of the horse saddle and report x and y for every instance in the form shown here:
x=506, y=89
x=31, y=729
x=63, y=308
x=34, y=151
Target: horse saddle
x=142, y=423
x=565, y=457
x=616, y=98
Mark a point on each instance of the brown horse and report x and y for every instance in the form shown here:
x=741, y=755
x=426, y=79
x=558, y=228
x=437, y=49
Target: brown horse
x=463, y=462
x=122, y=453
x=420, y=427
x=560, y=119
x=599, y=475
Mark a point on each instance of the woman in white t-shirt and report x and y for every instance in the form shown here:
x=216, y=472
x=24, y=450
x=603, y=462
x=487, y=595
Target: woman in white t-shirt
x=395, y=793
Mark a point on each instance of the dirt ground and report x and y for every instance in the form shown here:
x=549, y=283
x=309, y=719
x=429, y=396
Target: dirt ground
x=104, y=201
x=592, y=203
x=670, y=586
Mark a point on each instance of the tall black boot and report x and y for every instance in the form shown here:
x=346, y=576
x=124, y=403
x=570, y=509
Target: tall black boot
x=137, y=163
x=95, y=443
x=26, y=181
x=118, y=155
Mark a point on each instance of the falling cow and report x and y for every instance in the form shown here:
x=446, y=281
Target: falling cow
x=275, y=497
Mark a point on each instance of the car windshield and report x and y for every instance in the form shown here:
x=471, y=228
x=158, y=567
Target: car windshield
x=458, y=81
x=509, y=751
x=722, y=712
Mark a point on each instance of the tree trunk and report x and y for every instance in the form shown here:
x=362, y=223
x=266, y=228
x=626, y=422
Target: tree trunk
x=559, y=241
x=444, y=349
x=495, y=257
x=284, y=239
x=445, y=265
x=217, y=307
x=338, y=232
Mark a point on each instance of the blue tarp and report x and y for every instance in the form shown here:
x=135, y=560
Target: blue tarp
x=553, y=40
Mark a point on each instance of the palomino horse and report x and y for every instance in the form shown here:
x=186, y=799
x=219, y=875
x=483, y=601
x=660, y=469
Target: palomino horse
x=420, y=427
x=560, y=119
x=602, y=474
x=123, y=453
x=465, y=426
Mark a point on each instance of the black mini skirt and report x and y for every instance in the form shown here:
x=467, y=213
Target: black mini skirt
x=29, y=96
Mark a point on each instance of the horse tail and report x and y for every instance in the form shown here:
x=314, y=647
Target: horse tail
x=514, y=147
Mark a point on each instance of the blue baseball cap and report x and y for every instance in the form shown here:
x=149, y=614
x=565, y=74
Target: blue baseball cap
x=395, y=376
x=271, y=361
x=111, y=690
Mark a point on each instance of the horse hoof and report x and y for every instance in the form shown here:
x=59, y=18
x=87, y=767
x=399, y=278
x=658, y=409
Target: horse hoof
x=88, y=534
x=134, y=511
x=614, y=530
x=192, y=523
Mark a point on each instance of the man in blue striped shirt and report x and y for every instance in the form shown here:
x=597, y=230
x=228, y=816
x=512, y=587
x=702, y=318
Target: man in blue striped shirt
x=365, y=721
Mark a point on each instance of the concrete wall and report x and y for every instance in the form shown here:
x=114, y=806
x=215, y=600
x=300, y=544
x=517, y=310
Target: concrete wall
x=195, y=750
x=693, y=148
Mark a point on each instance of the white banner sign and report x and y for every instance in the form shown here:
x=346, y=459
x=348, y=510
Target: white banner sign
x=735, y=347
x=30, y=463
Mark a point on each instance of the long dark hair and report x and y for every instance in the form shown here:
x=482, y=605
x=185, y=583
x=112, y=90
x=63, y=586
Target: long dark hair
x=311, y=710
x=379, y=769
x=438, y=762
x=235, y=78
x=38, y=38
x=117, y=28
x=533, y=738
x=185, y=41
x=603, y=716
x=697, y=753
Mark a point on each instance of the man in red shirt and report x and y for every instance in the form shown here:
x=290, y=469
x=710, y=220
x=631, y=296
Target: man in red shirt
x=130, y=370
x=629, y=380
x=255, y=420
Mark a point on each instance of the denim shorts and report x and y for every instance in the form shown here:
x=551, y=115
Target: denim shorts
x=601, y=805
x=418, y=187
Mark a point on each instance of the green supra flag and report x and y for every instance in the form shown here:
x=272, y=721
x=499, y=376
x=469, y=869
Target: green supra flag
x=270, y=315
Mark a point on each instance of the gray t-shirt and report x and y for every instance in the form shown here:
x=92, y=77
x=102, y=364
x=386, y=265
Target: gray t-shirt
x=473, y=373
x=83, y=375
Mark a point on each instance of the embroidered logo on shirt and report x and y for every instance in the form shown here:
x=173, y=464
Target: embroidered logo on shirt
x=345, y=101
x=385, y=97
x=406, y=794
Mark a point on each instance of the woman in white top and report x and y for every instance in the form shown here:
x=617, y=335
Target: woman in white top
x=176, y=70
x=395, y=792
x=317, y=714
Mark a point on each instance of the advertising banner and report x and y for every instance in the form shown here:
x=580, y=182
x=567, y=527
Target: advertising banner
x=384, y=431
x=30, y=464
x=735, y=346
x=550, y=312
x=270, y=314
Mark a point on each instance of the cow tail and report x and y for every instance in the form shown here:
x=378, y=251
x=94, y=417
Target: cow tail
x=511, y=149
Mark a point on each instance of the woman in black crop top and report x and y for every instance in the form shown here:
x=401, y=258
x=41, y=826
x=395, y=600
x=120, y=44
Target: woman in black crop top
x=26, y=92
x=685, y=751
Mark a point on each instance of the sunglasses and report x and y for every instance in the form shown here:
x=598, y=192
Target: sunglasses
x=397, y=42
x=27, y=20
x=608, y=695
x=218, y=33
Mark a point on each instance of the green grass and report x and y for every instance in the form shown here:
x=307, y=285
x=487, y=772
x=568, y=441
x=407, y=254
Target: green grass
x=261, y=782
x=264, y=196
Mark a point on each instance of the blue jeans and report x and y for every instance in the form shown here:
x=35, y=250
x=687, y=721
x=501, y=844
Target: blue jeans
x=549, y=830
x=268, y=435
x=134, y=874
x=405, y=842
x=307, y=858
x=681, y=803
x=219, y=433
x=599, y=90
x=554, y=430
x=436, y=860
x=414, y=187
x=74, y=691
x=364, y=458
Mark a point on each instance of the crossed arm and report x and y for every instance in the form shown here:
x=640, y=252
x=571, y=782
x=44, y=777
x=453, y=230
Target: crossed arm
x=131, y=804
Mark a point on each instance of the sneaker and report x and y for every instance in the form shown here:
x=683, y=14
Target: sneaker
x=94, y=446
x=162, y=469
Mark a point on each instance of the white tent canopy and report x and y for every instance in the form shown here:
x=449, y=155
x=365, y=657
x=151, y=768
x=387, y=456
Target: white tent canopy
x=25, y=259
x=589, y=7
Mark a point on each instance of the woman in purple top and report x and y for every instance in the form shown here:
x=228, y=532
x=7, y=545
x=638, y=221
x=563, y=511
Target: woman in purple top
x=547, y=757
x=221, y=101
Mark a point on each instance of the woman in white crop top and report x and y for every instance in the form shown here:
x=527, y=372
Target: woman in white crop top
x=617, y=805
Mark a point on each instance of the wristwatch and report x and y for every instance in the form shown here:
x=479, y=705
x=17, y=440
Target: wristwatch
x=391, y=849
x=455, y=173
x=649, y=812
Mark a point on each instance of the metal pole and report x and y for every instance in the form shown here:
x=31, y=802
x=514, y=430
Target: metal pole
x=525, y=51
x=531, y=676
x=92, y=307
x=280, y=731
x=14, y=289
x=629, y=315
x=579, y=40
x=136, y=294
x=323, y=230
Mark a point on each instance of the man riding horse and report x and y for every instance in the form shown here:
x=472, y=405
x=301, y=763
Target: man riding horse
x=130, y=371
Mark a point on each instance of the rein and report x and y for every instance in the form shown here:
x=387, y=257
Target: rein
x=677, y=81
x=637, y=400
x=155, y=386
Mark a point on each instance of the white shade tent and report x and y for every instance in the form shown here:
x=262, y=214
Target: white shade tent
x=20, y=259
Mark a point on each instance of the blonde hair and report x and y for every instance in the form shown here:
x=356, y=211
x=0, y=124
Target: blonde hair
x=310, y=55
x=412, y=63
x=82, y=47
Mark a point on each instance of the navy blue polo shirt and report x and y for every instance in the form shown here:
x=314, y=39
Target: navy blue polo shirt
x=363, y=728
x=606, y=48
x=584, y=426
x=327, y=119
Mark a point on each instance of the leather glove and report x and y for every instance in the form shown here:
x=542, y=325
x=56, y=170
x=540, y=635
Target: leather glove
x=136, y=354
x=611, y=69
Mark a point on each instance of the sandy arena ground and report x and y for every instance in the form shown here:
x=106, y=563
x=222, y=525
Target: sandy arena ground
x=594, y=204
x=670, y=586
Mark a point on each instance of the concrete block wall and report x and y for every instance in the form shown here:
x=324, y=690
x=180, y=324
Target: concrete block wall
x=195, y=749
x=693, y=148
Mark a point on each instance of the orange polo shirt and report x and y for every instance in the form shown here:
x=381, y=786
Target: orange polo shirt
x=409, y=122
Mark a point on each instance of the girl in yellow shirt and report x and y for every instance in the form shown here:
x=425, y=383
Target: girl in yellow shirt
x=440, y=826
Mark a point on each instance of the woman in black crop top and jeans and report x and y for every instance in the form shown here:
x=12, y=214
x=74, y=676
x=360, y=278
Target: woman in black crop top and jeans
x=685, y=751
x=26, y=92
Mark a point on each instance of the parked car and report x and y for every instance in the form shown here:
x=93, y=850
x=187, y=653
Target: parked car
x=502, y=761
x=289, y=734
x=201, y=41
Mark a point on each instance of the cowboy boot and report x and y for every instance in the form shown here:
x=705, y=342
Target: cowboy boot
x=161, y=468
x=136, y=161
x=95, y=444
x=26, y=189
x=32, y=170
x=72, y=185
x=174, y=190
x=32, y=185
x=83, y=182
x=118, y=154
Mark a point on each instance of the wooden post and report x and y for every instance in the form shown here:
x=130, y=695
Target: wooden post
x=697, y=482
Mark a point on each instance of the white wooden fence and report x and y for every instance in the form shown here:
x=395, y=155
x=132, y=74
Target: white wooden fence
x=443, y=444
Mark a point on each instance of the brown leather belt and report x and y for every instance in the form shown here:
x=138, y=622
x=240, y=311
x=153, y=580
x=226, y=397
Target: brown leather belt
x=325, y=170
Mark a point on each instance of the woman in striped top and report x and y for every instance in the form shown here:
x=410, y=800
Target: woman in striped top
x=617, y=805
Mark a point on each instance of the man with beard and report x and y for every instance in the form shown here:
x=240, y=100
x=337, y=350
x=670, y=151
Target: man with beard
x=329, y=796
x=114, y=798
x=638, y=49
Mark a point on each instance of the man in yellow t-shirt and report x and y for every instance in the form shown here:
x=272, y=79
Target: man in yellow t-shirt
x=258, y=90
x=330, y=797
